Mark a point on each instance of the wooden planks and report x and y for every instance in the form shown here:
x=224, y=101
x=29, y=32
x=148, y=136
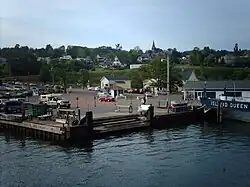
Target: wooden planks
x=35, y=126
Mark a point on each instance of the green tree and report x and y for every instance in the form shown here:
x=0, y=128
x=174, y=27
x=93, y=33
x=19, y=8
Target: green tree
x=196, y=57
x=61, y=73
x=137, y=81
x=84, y=77
x=45, y=74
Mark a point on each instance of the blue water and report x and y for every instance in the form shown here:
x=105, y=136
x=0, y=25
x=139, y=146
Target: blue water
x=192, y=156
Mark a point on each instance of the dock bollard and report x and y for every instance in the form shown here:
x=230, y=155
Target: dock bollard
x=130, y=109
x=150, y=114
x=89, y=119
x=219, y=113
x=79, y=114
x=94, y=101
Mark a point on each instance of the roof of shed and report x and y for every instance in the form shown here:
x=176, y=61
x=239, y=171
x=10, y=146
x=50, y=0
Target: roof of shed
x=244, y=84
x=186, y=73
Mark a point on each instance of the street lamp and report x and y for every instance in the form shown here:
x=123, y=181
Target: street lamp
x=168, y=89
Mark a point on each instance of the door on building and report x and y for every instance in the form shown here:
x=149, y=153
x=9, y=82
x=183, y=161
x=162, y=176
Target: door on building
x=199, y=94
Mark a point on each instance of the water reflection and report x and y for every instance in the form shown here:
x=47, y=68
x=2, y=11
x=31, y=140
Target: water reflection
x=149, y=137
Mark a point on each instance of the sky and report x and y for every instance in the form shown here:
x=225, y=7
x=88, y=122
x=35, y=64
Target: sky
x=182, y=24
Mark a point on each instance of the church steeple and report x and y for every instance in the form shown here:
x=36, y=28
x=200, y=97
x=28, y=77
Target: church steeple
x=153, y=46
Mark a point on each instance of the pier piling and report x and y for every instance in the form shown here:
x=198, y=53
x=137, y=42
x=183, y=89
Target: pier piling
x=89, y=119
x=219, y=113
x=150, y=114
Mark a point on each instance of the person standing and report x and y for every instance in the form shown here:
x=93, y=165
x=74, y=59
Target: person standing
x=144, y=99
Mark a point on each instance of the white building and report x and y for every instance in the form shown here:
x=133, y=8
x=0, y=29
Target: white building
x=214, y=89
x=67, y=57
x=44, y=59
x=101, y=59
x=144, y=58
x=116, y=62
x=118, y=81
x=135, y=66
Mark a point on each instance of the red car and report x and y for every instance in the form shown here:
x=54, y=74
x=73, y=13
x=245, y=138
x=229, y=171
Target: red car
x=107, y=99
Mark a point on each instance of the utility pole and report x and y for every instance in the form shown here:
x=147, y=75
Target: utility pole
x=168, y=89
x=53, y=75
x=168, y=85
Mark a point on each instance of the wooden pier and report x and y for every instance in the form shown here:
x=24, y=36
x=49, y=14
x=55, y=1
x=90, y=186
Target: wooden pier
x=71, y=127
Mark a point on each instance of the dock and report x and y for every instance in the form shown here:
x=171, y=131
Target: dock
x=69, y=125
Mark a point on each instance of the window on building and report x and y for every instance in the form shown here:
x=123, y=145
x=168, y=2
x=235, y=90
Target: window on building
x=232, y=94
x=211, y=94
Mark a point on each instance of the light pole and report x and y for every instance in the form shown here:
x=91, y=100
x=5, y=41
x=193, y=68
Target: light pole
x=168, y=90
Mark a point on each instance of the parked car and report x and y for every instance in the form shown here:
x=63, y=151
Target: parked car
x=97, y=89
x=90, y=89
x=11, y=107
x=121, y=96
x=107, y=99
x=102, y=94
x=133, y=90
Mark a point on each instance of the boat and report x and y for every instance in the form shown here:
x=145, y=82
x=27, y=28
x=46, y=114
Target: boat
x=233, y=108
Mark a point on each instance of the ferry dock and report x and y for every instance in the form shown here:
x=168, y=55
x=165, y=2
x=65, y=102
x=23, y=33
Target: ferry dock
x=62, y=125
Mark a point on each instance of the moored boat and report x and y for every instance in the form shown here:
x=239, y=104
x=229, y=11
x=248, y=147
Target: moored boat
x=234, y=108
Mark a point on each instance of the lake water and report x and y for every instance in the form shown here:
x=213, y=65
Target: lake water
x=197, y=155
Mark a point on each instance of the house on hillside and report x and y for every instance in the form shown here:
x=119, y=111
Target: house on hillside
x=214, y=89
x=66, y=57
x=101, y=60
x=116, y=63
x=144, y=58
x=116, y=81
x=185, y=59
x=44, y=59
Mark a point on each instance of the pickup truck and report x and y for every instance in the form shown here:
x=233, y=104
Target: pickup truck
x=59, y=103
x=55, y=100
